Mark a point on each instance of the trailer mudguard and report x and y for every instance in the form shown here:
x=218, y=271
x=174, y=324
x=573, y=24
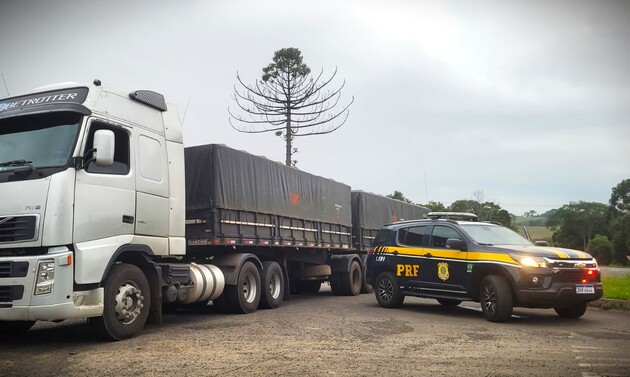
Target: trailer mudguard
x=231, y=264
x=341, y=263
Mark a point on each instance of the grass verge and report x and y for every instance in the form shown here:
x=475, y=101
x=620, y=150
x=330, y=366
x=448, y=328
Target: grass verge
x=616, y=287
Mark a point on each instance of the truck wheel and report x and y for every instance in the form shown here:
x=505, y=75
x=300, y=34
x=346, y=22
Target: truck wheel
x=127, y=302
x=335, y=284
x=448, y=302
x=575, y=311
x=244, y=297
x=309, y=287
x=351, y=280
x=365, y=287
x=15, y=327
x=496, y=298
x=273, y=286
x=387, y=291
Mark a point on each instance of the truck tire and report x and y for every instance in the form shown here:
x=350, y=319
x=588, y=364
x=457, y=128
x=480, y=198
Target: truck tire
x=15, y=327
x=496, y=298
x=127, y=302
x=448, y=302
x=273, y=286
x=365, y=287
x=387, y=291
x=352, y=280
x=575, y=311
x=244, y=297
x=335, y=284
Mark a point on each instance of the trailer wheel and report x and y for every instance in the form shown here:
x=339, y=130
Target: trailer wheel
x=496, y=298
x=351, y=281
x=15, y=327
x=127, y=302
x=335, y=284
x=575, y=311
x=244, y=297
x=273, y=286
x=365, y=287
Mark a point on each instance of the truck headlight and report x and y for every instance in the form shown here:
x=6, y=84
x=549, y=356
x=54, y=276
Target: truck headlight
x=45, y=278
x=530, y=261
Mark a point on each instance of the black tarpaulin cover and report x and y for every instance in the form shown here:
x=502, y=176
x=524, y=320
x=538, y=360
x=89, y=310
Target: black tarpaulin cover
x=221, y=177
x=371, y=211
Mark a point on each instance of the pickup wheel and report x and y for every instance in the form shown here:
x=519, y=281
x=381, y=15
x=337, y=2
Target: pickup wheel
x=448, y=302
x=15, y=327
x=387, y=291
x=127, y=301
x=496, y=298
x=244, y=297
x=574, y=311
x=351, y=281
x=273, y=286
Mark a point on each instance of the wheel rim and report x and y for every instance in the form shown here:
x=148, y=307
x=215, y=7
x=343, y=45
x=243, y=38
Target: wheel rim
x=275, y=286
x=249, y=288
x=128, y=302
x=489, y=299
x=385, y=290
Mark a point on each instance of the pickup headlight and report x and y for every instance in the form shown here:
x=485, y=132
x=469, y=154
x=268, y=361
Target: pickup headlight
x=526, y=261
x=45, y=278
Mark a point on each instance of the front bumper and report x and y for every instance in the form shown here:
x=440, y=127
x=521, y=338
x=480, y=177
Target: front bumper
x=558, y=294
x=19, y=303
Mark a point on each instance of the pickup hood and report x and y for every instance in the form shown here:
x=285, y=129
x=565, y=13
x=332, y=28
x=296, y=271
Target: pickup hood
x=539, y=251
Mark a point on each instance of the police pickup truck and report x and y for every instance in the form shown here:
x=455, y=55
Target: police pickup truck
x=452, y=257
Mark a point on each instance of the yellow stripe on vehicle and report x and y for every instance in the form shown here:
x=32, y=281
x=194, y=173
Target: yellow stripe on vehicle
x=452, y=254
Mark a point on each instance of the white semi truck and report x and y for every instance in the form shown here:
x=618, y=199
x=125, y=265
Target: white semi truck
x=105, y=215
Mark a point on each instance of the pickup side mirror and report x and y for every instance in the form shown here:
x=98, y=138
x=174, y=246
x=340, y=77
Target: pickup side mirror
x=104, y=147
x=541, y=243
x=455, y=244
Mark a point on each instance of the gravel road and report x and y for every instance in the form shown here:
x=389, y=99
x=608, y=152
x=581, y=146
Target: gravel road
x=341, y=336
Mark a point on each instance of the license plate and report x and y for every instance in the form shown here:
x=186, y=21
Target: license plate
x=584, y=289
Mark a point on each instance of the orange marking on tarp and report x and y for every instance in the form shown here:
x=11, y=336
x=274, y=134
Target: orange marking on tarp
x=295, y=198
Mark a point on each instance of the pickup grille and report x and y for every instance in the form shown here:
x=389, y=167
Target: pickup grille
x=18, y=228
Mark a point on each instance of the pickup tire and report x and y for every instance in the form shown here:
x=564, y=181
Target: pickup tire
x=574, y=311
x=15, y=327
x=273, y=286
x=244, y=297
x=496, y=298
x=387, y=291
x=127, y=302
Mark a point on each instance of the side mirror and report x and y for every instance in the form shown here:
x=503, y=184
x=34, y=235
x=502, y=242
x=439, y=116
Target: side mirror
x=455, y=244
x=541, y=243
x=104, y=147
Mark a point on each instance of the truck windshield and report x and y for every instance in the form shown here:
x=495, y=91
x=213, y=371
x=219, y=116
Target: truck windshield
x=486, y=234
x=37, y=141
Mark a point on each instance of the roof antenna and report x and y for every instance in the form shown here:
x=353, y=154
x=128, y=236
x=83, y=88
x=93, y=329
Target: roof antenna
x=5, y=84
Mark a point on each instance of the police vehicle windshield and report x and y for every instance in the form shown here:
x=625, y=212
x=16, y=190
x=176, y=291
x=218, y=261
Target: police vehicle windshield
x=488, y=234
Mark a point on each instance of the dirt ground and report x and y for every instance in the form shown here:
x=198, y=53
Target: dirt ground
x=341, y=336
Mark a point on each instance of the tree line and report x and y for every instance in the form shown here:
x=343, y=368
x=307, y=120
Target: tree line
x=601, y=229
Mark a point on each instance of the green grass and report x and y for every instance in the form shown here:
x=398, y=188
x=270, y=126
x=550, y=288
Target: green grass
x=617, y=287
x=537, y=233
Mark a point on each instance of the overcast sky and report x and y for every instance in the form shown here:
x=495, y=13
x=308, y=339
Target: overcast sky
x=527, y=101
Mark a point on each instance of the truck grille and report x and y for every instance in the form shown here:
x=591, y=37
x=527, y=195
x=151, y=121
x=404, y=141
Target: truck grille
x=18, y=228
x=10, y=293
x=13, y=269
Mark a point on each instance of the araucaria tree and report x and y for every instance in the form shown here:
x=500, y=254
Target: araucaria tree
x=288, y=101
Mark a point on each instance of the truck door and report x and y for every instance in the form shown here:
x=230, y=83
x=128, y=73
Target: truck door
x=443, y=269
x=105, y=201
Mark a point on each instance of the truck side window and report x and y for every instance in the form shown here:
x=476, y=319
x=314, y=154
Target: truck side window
x=413, y=236
x=441, y=234
x=121, y=153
